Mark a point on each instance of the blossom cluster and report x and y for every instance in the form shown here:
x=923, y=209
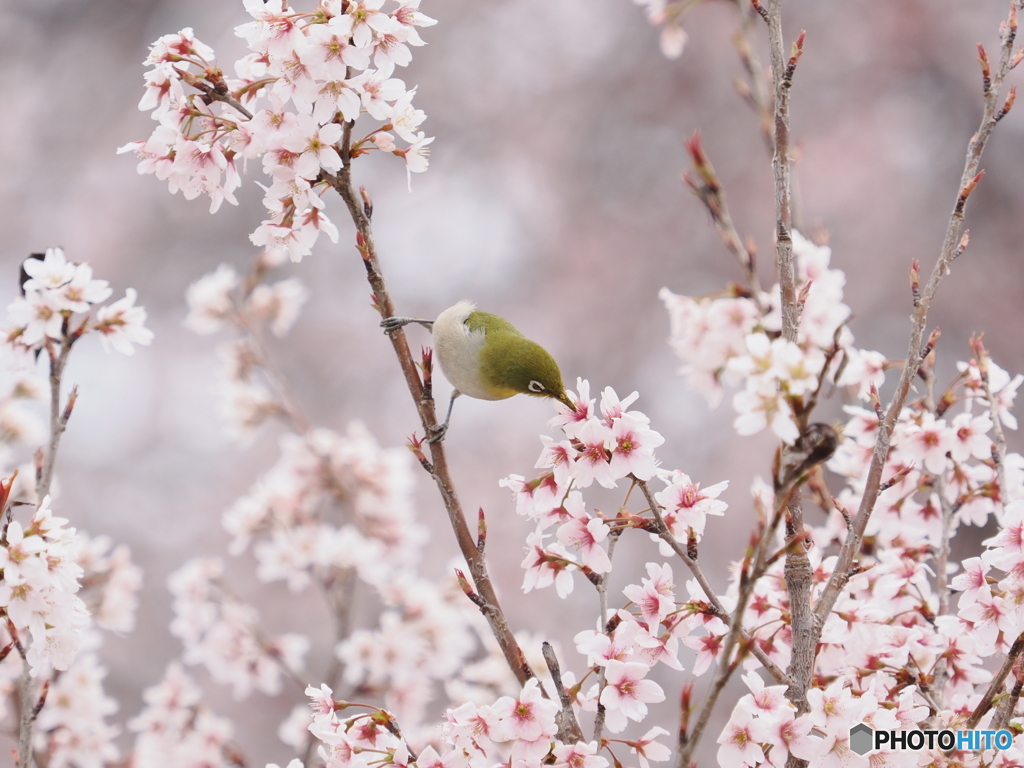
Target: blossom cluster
x=223, y=300
x=607, y=448
x=58, y=300
x=888, y=656
x=290, y=107
x=38, y=592
x=334, y=512
x=518, y=730
x=736, y=340
x=177, y=728
x=221, y=632
x=72, y=728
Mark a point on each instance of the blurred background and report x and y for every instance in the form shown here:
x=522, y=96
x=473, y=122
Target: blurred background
x=553, y=198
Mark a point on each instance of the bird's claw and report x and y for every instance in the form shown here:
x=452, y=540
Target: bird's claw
x=392, y=324
x=436, y=434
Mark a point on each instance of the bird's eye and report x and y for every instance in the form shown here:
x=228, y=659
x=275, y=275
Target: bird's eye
x=536, y=386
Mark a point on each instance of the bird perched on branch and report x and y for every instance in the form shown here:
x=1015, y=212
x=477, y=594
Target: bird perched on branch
x=486, y=357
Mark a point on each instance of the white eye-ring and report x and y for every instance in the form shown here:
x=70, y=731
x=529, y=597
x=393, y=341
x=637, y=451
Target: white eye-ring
x=535, y=386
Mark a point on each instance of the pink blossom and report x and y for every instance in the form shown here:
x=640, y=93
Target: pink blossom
x=971, y=437
x=122, y=324
x=708, y=649
x=540, y=499
x=687, y=505
x=546, y=565
x=762, y=699
x=313, y=146
x=786, y=734
x=764, y=405
x=210, y=300
x=528, y=718
x=51, y=272
x=557, y=456
x=646, y=748
x=627, y=692
x=990, y=616
x=36, y=316
x=569, y=421
x=592, y=461
x=579, y=755
x=586, y=535
x=972, y=581
x=928, y=442
x=599, y=648
x=739, y=746
x=631, y=444
x=655, y=597
x=863, y=370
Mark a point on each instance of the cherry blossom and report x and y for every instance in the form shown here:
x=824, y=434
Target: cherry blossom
x=655, y=597
x=627, y=693
x=121, y=324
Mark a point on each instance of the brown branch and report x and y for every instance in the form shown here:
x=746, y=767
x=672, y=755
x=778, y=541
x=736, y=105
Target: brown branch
x=439, y=470
x=782, y=77
x=1006, y=706
x=58, y=423
x=708, y=189
x=58, y=416
x=999, y=437
x=569, y=731
x=688, y=742
x=798, y=572
x=214, y=94
x=602, y=593
x=1012, y=656
x=755, y=90
x=666, y=535
x=951, y=245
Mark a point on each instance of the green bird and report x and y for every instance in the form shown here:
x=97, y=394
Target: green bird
x=486, y=357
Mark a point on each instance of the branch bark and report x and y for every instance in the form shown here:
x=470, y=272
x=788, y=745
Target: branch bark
x=424, y=403
x=954, y=242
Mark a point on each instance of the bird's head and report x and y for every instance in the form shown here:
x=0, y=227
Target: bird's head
x=513, y=364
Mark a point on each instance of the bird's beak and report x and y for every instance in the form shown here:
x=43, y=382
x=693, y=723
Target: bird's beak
x=563, y=398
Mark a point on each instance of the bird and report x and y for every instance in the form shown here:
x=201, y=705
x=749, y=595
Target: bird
x=486, y=357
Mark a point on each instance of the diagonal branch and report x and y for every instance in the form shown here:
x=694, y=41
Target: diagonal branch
x=438, y=465
x=953, y=244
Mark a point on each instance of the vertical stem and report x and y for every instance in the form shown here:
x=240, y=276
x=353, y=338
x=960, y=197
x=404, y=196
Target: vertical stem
x=781, y=168
x=602, y=592
x=439, y=470
x=57, y=423
x=798, y=571
x=26, y=757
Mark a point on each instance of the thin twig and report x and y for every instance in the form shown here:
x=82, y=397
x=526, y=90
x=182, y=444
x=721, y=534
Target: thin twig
x=58, y=420
x=666, y=535
x=439, y=470
x=996, y=685
x=707, y=187
x=998, y=436
x=602, y=591
x=953, y=238
x=755, y=91
x=567, y=723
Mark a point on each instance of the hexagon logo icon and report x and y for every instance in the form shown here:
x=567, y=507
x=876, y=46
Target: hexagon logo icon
x=862, y=739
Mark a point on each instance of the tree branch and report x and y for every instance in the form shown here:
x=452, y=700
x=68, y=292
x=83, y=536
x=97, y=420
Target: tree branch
x=439, y=470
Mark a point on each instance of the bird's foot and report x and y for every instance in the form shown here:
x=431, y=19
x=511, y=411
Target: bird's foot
x=392, y=324
x=436, y=434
